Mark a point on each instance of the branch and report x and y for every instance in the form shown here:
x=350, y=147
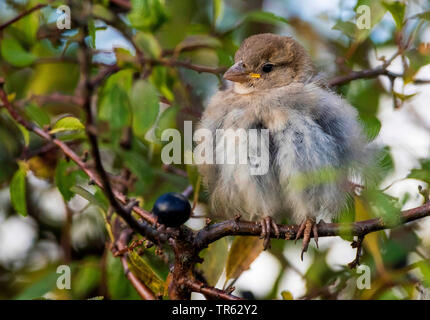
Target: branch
x=354, y=75
x=141, y=227
x=122, y=3
x=143, y=291
x=288, y=232
x=21, y=15
x=187, y=65
x=210, y=292
x=369, y=74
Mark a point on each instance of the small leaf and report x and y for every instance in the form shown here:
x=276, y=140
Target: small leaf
x=425, y=15
x=67, y=124
x=91, y=198
x=86, y=278
x=167, y=120
x=147, y=15
x=25, y=134
x=64, y=179
x=119, y=287
x=144, y=272
x=115, y=107
x=218, y=6
x=15, y=54
x=145, y=105
x=37, y=115
x=96, y=298
x=404, y=97
x=243, y=252
x=39, y=287
x=159, y=78
x=424, y=267
x=346, y=27
x=287, y=295
x=148, y=43
x=92, y=32
x=397, y=10
x=423, y=173
x=18, y=191
x=265, y=17
x=215, y=257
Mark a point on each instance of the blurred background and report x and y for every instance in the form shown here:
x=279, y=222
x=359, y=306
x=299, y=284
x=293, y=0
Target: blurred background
x=63, y=224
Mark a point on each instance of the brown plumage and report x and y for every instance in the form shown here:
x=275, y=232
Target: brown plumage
x=313, y=135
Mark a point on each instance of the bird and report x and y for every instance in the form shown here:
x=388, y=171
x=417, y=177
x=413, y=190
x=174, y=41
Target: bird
x=315, y=140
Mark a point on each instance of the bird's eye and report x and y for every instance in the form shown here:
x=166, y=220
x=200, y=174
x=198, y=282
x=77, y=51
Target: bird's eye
x=267, y=67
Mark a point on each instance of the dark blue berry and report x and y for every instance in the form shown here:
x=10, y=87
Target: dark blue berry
x=172, y=209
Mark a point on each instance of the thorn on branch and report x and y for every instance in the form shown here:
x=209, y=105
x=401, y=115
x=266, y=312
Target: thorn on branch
x=129, y=207
x=356, y=244
x=425, y=193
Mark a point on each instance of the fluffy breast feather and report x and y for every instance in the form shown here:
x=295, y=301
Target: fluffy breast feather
x=312, y=131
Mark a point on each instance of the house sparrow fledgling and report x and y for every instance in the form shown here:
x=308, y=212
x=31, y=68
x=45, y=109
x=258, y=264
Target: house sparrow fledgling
x=314, y=139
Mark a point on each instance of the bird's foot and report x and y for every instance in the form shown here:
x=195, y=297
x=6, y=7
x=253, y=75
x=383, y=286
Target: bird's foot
x=307, y=228
x=266, y=228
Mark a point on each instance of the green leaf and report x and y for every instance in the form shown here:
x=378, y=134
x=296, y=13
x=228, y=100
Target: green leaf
x=145, y=106
x=91, y=198
x=25, y=134
x=404, y=97
x=118, y=285
x=40, y=287
x=377, y=12
x=346, y=27
x=160, y=79
x=147, y=15
x=264, y=17
x=243, y=252
x=15, y=54
x=64, y=179
x=417, y=60
x=215, y=258
x=167, y=120
x=144, y=272
x=86, y=278
x=26, y=28
x=148, y=44
x=397, y=10
x=423, y=173
x=92, y=32
x=425, y=15
x=115, y=108
x=364, y=95
x=287, y=295
x=424, y=267
x=67, y=124
x=114, y=102
x=38, y=115
x=18, y=191
x=319, y=273
x=217, y=9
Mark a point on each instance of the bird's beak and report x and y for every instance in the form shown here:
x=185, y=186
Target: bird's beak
x=237, y=73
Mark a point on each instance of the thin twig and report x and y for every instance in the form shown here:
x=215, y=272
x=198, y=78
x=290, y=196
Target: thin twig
x=143, y=291
x=246, y=228
x=187, y=65
x=208, y=291
x=21, y=15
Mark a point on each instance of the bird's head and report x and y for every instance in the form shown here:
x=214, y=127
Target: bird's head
x=266, y=61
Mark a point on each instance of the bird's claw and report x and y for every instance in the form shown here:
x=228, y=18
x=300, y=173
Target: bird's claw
x=306, y=228
x=266, y=228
